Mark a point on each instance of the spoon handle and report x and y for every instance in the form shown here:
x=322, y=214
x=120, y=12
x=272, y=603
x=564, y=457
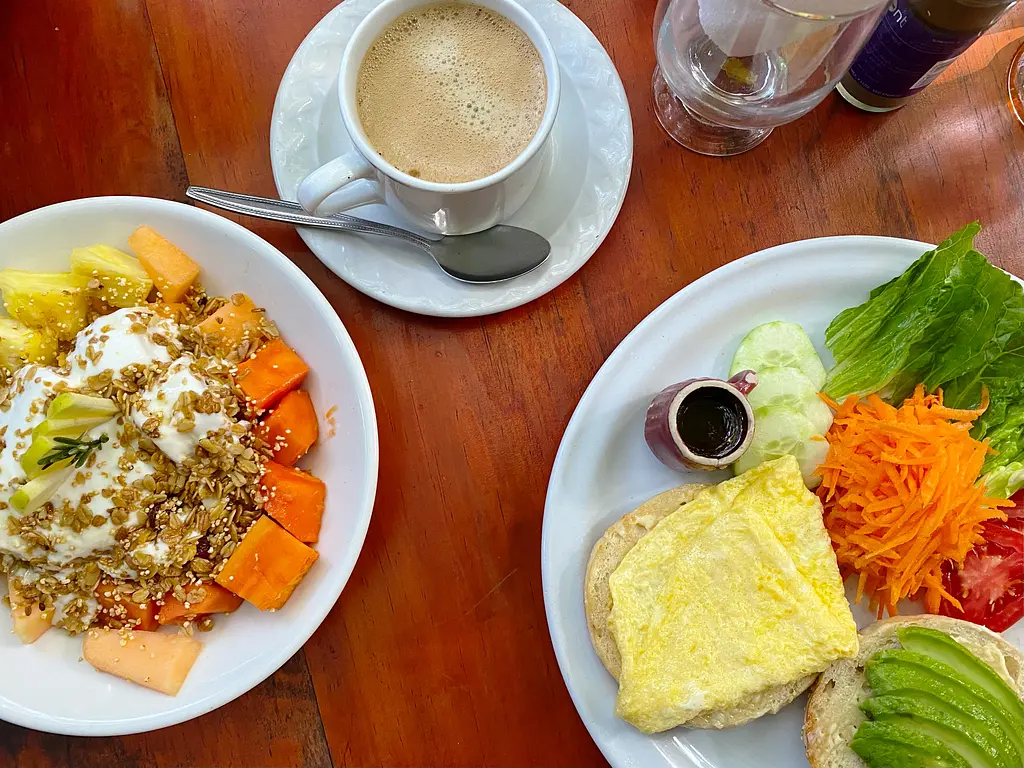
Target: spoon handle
x=292, y=213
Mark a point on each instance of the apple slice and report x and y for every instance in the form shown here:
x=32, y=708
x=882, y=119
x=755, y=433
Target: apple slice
x=36, y=492
x=40, y=447
x=74, y=405
x=151, y=659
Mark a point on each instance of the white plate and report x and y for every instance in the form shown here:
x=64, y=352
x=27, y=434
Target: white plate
x=45, y=686
x=604, y=469
x=579, y=194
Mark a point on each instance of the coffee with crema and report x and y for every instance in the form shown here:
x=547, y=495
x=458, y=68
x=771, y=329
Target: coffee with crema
x=451, y=92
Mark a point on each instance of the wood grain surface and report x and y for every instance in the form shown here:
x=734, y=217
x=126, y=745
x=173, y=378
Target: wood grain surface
x=437, y=653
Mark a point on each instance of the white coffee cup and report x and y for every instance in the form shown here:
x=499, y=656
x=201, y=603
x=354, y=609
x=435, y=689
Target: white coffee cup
x=361, y=176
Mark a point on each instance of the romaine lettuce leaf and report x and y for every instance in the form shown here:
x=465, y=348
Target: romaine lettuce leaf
x=1006, y=440
x=1005, y=481
x=902, y=326
x=951, y=321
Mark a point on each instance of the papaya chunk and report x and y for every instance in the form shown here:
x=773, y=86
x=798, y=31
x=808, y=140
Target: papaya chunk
x=119, y=610
x=216, y=600
x=291, y=428
x=295, y=499
x=273, y=372
x=267, y=565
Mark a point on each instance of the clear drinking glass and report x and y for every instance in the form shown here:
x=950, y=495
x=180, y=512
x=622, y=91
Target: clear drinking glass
x=1016, y=83
x=729, y=71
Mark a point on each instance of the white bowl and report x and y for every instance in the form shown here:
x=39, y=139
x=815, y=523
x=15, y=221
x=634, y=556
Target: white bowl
x=45, y=685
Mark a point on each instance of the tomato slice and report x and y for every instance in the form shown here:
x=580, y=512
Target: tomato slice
x=1017, y=510
x=990, y=586
x=1009, y=534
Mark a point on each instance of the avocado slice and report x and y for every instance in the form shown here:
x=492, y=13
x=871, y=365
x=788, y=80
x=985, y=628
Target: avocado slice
x=950, y=738
x=898, y=669
x=891, y=745
x=945, y=649
x=921, y=707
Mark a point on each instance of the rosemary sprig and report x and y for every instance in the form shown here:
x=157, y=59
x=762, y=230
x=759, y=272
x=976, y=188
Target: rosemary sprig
x=74, y=450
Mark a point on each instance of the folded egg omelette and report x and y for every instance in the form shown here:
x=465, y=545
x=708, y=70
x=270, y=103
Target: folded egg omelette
x=732, y=594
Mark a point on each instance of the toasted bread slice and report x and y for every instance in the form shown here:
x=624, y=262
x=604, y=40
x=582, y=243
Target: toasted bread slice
x=605, y=558
x=833, y=712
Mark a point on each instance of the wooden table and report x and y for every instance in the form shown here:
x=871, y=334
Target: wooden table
x=438, y=652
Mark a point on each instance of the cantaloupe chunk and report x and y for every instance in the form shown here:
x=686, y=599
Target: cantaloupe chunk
x=235, y=322
x=216, y=600
x=29, y=622
x=116, y=609
x=267, y=565
x=153, y=659
x=170, y=268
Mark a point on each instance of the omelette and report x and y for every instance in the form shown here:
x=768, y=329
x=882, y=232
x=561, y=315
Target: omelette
x=732, y=594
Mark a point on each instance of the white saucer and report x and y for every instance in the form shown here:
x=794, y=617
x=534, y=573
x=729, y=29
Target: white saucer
x=579, y=194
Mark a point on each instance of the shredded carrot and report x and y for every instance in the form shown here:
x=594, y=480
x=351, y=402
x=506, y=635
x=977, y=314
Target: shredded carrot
x=902, y=496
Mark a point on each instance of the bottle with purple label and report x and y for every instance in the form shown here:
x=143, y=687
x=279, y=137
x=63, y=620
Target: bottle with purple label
x=913, y=44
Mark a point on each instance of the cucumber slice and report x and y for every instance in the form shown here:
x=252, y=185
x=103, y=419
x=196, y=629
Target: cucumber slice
x=780, y=432
x=810, y=455
x=779, y=344
x=819, y=414
x=781, y=387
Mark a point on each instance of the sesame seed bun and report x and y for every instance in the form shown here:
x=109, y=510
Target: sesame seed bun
x=833, y=708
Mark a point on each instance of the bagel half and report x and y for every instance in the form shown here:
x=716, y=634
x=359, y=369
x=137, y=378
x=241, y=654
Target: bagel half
x=833, y=712
x=608, y=552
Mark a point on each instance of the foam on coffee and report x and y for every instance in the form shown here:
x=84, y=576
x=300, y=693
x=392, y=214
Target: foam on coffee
x=451, y=92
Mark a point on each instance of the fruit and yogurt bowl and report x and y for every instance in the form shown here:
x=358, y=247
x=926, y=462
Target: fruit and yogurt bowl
x=148, y=436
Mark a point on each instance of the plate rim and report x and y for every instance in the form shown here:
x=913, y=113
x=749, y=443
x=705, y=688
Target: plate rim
x=551, y=610
x=416, y=305
x=126, y=726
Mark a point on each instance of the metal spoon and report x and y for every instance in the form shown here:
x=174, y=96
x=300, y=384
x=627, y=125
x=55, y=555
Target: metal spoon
x=496, y=254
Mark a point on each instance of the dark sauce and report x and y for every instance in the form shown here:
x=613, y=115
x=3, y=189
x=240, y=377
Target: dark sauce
x=712, y=422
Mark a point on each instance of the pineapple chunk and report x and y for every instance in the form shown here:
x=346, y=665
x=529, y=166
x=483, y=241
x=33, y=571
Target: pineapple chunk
x=123, y=281
x=29, y=622
x=54, y=302
x=153, y=659
x=19, y=345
